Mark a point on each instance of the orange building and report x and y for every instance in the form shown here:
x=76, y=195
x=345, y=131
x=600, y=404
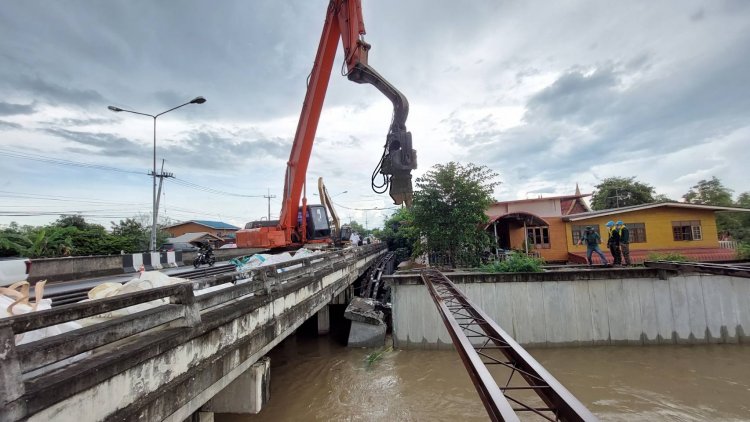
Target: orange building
x=540, y=220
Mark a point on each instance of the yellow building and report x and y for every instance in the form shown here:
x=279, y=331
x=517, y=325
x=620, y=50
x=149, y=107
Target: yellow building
x=551, y=227
x=687, y=229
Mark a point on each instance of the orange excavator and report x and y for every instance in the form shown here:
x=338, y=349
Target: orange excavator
x=305, y=224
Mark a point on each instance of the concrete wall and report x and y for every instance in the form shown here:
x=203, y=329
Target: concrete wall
x=633, y=307
x=78, y=267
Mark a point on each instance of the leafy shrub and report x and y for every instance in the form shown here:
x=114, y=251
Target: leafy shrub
x=743, y=251
x=667, y=256
x=515, y=263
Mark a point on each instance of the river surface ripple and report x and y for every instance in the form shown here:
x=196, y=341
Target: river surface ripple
x=316, y=379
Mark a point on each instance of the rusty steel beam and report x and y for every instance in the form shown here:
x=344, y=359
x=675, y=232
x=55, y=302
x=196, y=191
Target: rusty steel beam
x=494, y=348
x=737, y=270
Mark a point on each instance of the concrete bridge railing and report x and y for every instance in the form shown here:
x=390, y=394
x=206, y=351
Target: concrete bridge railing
x=167, y=361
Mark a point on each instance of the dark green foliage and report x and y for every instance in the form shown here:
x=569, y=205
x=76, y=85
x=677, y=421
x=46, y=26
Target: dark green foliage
x=615, y=192
x=71, y=235
x=668, y=256
x=709, y=192
x=448, y=212
x=358, y=228
x=516, y=263
x=743, y=252
x=713, y=192
x=399, y=233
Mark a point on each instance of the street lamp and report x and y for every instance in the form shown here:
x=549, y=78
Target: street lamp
x=196, y=100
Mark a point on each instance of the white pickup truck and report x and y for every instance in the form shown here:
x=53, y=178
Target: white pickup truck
x=13, y=270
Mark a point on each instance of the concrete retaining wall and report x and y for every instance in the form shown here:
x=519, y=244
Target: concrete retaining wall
x=79, y=267
x=614, y=307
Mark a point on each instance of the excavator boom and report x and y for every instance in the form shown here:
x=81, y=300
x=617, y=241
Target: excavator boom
x=343, y=21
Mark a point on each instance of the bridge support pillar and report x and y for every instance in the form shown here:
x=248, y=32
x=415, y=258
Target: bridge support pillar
x=324, y=320
x=245, y=395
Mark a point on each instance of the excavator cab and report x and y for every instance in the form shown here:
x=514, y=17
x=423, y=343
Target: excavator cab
x=317, y=223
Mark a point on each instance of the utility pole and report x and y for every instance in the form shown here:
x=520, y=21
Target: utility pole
x=269, y=197
x=161, y=177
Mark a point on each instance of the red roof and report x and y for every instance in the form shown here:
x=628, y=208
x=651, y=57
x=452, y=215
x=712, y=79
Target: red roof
x=638, y=256
x=546, y=198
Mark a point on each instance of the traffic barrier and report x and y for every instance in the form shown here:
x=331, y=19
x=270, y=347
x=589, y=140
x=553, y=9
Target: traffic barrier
x=150, y=261
x=171, y=259
x=132, y=262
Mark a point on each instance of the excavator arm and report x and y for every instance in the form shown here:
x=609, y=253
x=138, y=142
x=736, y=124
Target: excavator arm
x=343, y=21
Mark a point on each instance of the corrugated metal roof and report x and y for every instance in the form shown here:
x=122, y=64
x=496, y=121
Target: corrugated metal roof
x=613, y=211
x=208, y=223
x=193, y=237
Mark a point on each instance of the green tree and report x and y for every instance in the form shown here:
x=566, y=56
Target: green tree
x=399, y=233
x=49, y=242
x=131, y=235
x=12, y=241
x=713, y=192
x=448, y=210
x=742, y=232
x=709, y=192
x=614, y=192
x=75, y=220
x=358, y=228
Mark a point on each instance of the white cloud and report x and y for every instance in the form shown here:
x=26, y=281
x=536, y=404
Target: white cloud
x=547, y=94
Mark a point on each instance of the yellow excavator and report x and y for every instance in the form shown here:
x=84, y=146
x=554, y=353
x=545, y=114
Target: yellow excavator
x=340, y=234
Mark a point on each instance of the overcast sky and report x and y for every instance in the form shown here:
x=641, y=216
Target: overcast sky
x=547, y=94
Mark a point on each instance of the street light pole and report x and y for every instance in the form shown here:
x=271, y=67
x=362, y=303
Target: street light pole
x=155, y=211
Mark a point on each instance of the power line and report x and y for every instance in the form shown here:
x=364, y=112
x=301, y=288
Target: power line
x=196, y=186
x=70, y=163
x=24, y=195
x=61, y=162
x=366, y=209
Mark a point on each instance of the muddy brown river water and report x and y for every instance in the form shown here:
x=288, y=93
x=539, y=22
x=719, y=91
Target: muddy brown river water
x=317, y=379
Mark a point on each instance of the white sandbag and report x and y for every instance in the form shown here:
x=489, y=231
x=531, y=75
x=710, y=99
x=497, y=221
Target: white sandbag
x=304, y=252
x=159, y=279
x=103, y=290
x=14, y=300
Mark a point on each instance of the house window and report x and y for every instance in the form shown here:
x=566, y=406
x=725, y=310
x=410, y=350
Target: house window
x=637, y=232
x=578, y=232
x=538, y=237
x=687, y=230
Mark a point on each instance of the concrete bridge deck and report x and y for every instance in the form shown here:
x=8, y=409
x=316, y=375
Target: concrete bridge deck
x=165, y=362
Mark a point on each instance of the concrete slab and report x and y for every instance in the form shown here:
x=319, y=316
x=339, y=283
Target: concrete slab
x=696, y=307
x=599, y=311
x=582, y=318
x=646, y=298
x=366, y=335
x=664, y=319
x=680, y=310
x=247, y=394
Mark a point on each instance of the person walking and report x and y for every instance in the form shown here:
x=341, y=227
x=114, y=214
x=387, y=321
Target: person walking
x=624, y=234
x=592, y=240
x=613, y=243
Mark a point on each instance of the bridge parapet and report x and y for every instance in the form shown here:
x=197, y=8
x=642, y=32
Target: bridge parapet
x=166, y=361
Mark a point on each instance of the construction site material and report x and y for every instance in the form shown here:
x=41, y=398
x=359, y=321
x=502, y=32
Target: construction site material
x=482, y=344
